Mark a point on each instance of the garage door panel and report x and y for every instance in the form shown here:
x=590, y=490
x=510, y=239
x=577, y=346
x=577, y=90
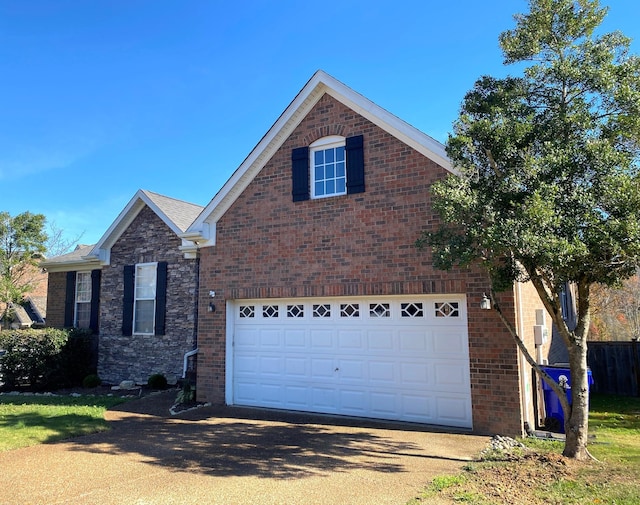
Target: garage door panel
x=321, y=339
x=392, y=358
x=414, y=374
x=322, y=368
x=413, y=340
x=448, y=341
x=454, y=411
x=296, y=338
x=271, y=365
x=296, y=367
x=451, y=377
x=380, y=340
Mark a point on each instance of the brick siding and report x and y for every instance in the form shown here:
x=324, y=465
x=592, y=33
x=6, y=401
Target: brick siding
x=356, y=245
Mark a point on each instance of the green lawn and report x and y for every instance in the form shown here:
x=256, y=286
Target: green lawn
x=30, y=420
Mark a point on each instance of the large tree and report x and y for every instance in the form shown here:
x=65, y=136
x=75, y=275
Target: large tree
x=548, y=190
x=22, y=244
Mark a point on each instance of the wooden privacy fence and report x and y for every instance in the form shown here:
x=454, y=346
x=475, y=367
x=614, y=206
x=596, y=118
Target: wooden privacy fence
x=615, y=367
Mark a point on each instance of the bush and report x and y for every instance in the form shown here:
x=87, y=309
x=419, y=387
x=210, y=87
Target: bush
x=157, y=381
x=29, y=356
x=91, y=381
x=45, y=358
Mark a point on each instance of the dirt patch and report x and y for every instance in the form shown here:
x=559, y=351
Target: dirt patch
x=516, y=479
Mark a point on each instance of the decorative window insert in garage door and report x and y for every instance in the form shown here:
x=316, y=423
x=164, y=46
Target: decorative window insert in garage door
x=397, y=358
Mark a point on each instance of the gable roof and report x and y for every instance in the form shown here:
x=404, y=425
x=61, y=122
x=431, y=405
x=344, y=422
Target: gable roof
x=203, y=228
x=176, y=214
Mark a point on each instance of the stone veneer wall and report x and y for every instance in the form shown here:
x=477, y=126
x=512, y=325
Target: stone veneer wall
x=136, y=357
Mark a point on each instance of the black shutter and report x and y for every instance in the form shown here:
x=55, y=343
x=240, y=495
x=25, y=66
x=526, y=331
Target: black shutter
x=127, y=299
x=95, y=300
x=300, y=174
x=355, y=164
x=70, y=300
x=161, y=297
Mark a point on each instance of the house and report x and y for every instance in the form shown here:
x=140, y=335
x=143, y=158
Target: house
x=135, y=288
x=31, y=312
x=312, y=296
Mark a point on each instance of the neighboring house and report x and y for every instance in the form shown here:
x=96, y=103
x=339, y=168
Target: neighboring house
x=135, y=289
x=32, y=311
x=314, y=298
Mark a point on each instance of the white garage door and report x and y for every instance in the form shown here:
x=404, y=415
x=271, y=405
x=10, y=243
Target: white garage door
x=398, y=358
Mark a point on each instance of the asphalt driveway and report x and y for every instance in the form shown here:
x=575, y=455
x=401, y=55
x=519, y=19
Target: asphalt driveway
x=223, y=455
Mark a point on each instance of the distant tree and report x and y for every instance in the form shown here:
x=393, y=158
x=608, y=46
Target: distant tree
x=57, y=242
x=616, y=311
x=548, y=190
x=22, y=245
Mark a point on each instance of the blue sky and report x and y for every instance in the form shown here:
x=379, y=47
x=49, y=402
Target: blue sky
x=101, y=98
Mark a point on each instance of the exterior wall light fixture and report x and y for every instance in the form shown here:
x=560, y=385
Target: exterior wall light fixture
x=485, y=303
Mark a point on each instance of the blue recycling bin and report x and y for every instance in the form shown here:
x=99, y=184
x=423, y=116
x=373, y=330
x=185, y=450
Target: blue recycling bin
x=555, y=415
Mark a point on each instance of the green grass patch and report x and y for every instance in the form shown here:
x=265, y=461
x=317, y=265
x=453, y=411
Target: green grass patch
x=31, y=420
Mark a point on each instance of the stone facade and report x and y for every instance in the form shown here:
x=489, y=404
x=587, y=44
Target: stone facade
x=136, y=357
x=268, y=246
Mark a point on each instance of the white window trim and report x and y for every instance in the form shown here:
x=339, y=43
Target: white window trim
x=321, y=144
x=135, y=297
x=75, y=299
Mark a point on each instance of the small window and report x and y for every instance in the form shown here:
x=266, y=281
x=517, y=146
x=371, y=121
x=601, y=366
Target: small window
x=269, y=311
x=349, y=310
x=144, y=308
x=295, y=310
x=411, y=309
x=379, y=310
x=323, y=310
x=328, y=167
x=447, y=309
x=83, y=300
x=247, y=311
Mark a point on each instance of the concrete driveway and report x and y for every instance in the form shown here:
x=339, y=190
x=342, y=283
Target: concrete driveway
x=223, y=455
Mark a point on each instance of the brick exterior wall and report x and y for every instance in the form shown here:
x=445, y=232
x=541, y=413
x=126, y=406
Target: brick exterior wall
x=136, y=357
x=56, y=293
x=357, y=245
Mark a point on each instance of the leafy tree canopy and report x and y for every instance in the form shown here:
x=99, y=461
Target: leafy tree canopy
x=22, y=244
x=548, y=184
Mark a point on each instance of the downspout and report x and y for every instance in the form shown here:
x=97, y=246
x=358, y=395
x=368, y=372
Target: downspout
x=524, y=383
x=187, y=355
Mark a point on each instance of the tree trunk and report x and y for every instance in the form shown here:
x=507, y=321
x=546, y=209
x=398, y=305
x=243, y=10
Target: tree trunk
x=576, y=423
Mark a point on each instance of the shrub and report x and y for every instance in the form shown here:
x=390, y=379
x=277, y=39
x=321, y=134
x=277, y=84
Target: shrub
x=29, y=356
x=157, y=381
x=45, y=358
x=91, y=381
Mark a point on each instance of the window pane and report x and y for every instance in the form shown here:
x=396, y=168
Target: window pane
x=329, y=155
x=340, y=153
x=340, y=169
x=319, y=158
x=319, y=188
x=83, y=315
x=143, y=320
x=331, y=187
x=330, y=172
x=319, y=173
x=83, y=287
x=146, y=281
x=340, y=186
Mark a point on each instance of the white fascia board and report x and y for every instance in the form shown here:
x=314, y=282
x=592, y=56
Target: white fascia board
x=87, y=263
